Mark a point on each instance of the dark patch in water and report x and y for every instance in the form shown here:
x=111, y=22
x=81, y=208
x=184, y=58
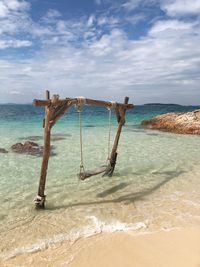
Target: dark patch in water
x=112, y=190
x=153, y=134
x=134, y=128
x=54, y=137
x=89, y=126
x=4, y=151
x=32, y=138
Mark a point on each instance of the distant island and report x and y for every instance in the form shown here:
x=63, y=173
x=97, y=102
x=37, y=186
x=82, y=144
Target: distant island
x=161, y=104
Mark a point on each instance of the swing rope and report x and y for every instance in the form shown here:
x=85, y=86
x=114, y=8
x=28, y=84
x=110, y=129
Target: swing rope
x=86, y=174
x=81, y=143
x=109, y=134
x=113, y=105
x=81, y=101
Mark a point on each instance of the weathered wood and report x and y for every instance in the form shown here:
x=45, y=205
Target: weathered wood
x=74, y=101
x=117, y=113
x=88, y=173
x=113, y=156
x=59, y=112
x=41, y=103
x=55, y=99
x=47, y=94
x=40, y=199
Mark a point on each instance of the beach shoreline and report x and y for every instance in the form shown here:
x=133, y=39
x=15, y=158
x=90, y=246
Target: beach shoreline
x=179, y=247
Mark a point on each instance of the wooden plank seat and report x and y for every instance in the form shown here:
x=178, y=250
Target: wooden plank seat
x=87, y=174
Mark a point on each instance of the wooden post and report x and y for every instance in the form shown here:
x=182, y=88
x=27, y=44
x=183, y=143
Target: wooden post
x=121, y=120
x=40, y=199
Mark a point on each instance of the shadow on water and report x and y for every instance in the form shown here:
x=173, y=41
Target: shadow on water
x=54, y=137
x=127, y=198
x=112, y=190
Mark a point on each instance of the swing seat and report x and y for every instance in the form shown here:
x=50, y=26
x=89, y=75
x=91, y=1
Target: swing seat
x=90, y=173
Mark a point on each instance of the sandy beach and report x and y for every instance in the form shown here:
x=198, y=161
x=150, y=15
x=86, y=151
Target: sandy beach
x=176, y=248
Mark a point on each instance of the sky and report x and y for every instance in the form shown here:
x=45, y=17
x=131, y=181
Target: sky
x=148, y=50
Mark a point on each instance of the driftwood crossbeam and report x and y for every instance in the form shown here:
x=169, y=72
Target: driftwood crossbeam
x=55, y=108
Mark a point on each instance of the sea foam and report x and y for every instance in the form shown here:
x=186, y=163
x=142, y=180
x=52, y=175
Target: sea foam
x=96, y=226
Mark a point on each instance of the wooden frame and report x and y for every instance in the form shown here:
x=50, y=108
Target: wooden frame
x=54, y=110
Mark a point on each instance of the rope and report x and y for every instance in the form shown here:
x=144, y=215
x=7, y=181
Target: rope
x=113, y=105
x=109, y=133
x=81, y=143
x=81, y=101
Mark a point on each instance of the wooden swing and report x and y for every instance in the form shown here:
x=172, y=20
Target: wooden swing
x=106, y=168
x=55, y=108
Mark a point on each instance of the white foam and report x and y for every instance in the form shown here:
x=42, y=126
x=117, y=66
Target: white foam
x=95, y=227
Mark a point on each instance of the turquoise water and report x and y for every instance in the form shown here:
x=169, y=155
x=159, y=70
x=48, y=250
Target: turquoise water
x=155, y=185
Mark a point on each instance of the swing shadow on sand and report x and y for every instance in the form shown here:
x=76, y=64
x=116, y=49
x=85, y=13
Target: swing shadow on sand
x=127, y=198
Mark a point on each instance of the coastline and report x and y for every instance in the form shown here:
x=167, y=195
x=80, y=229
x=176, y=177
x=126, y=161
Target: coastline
x=179, y=247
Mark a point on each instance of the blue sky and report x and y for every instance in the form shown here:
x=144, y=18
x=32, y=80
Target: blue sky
x=106, y=49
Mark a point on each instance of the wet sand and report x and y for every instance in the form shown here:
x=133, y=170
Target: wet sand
x=175, y=248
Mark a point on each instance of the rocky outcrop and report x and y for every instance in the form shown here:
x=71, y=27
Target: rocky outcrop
x=28, y=147
x=182, y=123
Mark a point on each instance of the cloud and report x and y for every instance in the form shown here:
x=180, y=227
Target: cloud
x=174, y=27
x=98, y=2
x=15, y=93
x=131, y=4
x=14, y=19
x=14, y=43
x=91, y=20
x=52, y=13
x=96, y=56
x=9, y=6
x=181, y=7
x=114, y=65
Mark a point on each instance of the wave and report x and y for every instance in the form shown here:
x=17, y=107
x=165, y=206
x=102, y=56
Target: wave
x=96, y=226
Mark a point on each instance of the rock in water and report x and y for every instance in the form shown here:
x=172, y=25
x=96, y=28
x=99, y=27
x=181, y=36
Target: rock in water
x=181, y=123
x=27, y=147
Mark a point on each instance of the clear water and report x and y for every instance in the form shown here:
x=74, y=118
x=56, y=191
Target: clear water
x=155, y=185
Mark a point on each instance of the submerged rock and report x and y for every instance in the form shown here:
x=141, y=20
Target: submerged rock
x=182, y=123
x=27, y=147
x=30, y=148
x=2, y=150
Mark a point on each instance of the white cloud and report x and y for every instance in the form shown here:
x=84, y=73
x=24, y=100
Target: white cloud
x=3, y=10
x=171, y=27
x=131, y=4
x=107, y=20
x=136, y=18
x=52, y=13
x=90, y=21
x=15, y=93
x=14, y=43
x=181, y=7
x=155, y=68
x=8, y=6
x=80, y=57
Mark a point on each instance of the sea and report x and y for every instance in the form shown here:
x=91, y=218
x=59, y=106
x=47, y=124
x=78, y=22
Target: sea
x=155, y=185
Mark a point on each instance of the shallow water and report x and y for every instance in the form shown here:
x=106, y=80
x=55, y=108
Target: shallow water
x=155, y=185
